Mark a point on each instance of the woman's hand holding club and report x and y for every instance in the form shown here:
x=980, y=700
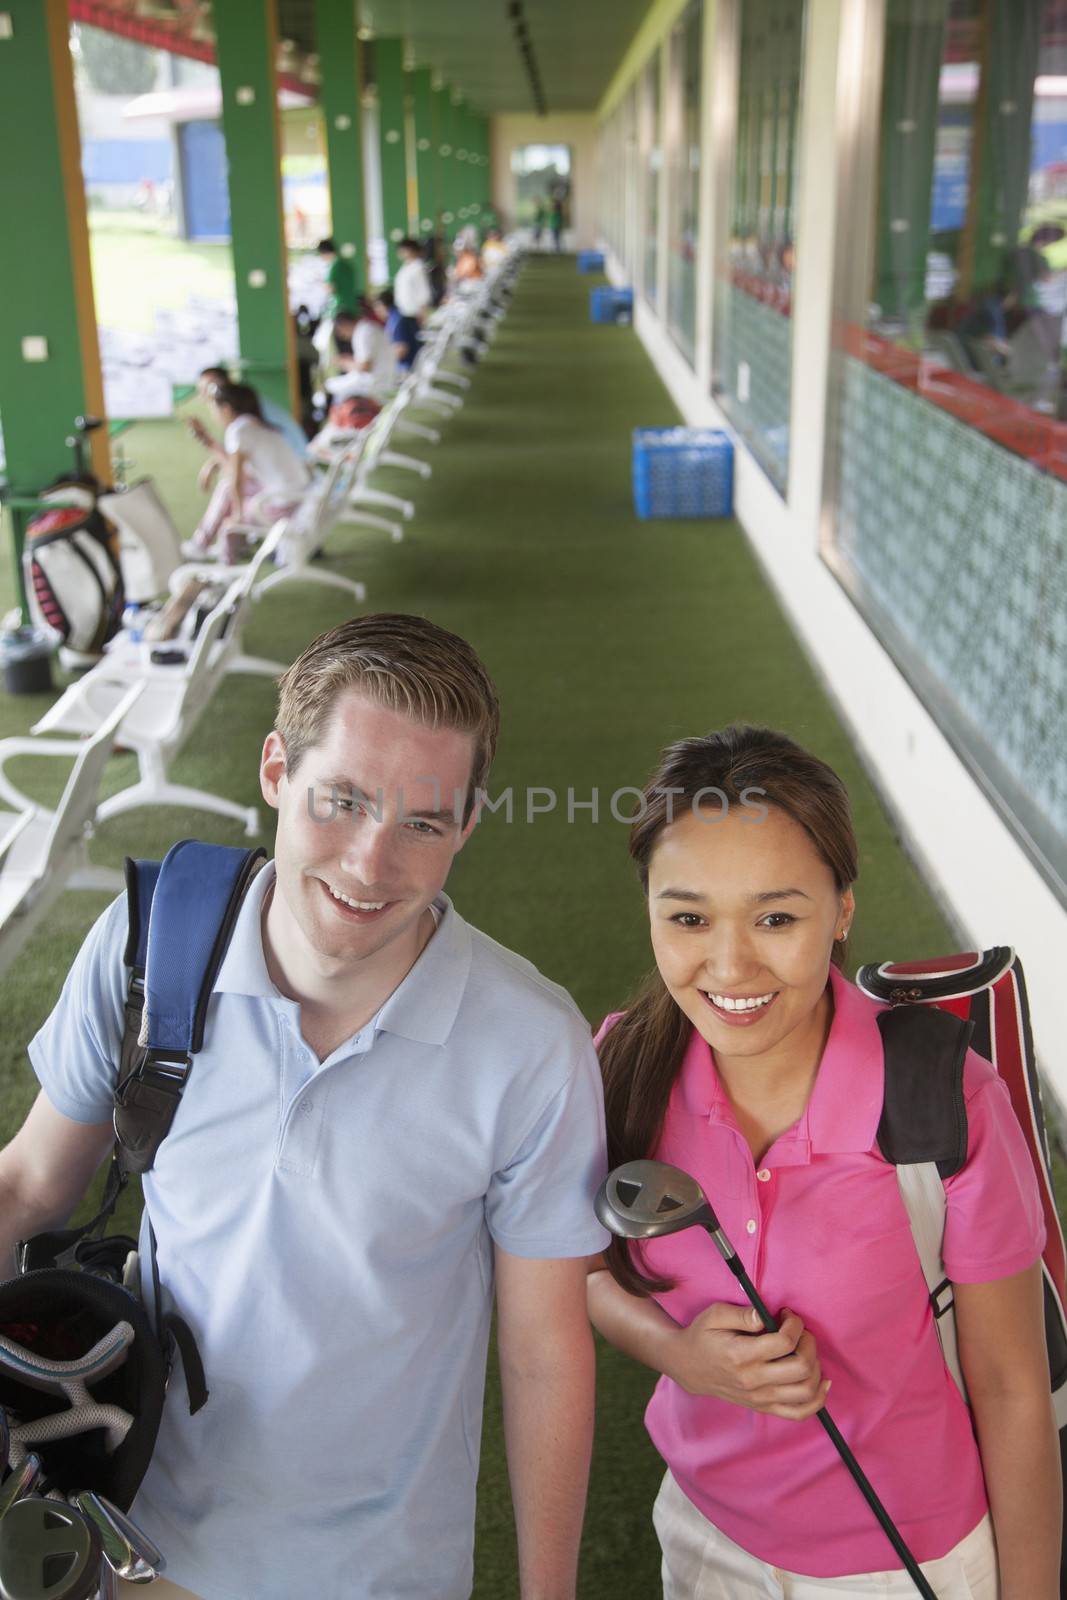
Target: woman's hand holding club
x=726, y=1352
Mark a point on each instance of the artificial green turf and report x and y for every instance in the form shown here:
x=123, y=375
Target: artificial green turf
x=607, y=637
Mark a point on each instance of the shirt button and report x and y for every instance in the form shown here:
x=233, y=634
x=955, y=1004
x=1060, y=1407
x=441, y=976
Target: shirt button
x=307, y=1107
x=750, y=1225
x=763, y=1175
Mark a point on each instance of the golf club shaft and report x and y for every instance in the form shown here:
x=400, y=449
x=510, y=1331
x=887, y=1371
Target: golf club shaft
x=733, y=1261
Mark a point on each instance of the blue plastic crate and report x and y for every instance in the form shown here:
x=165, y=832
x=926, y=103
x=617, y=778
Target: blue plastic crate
x=590, y=261
x=611, y=305
x=683, y=472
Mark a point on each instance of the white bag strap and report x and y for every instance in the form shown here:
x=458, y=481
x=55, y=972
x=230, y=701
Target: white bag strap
x=923, y=1193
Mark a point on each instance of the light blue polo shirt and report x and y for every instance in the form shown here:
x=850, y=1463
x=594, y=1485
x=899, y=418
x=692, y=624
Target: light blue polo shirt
x=327, y=1230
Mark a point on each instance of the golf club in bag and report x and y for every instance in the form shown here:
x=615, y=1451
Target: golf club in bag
x=649, y=1199
x=73, y=1548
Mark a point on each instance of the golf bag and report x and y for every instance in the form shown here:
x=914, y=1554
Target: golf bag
x=73, y=572
x=938, y=1008
x=76, y=1297
x=354, y=412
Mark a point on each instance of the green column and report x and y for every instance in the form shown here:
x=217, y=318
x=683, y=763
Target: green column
x=335, y=23
x=425, y=150
x=446, y=165
x=481, y=168
x=461, y=140
x=469, y=168
x=49, y=358
x=1003, y=176
x=914, y=50
x=389, y=74
x=246, y=34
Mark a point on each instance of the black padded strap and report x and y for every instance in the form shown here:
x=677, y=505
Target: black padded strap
x=184, y=1342
x=924, y=1117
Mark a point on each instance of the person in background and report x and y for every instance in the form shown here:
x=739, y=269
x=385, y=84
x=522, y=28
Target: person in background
x=468, y=266
x=412, y=291
x=340, y=279
x=433, y=251
x=261, y=478
x=274, y=414
x=401, y=332
x=555, y=222
x=372, y=358
x=540, y=213
x=494, y=250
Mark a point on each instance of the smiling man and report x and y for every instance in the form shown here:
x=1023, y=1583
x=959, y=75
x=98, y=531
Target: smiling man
x=392, y=1116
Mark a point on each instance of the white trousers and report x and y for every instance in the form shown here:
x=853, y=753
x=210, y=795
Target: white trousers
x=700, y=1563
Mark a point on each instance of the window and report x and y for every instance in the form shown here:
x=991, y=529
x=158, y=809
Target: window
x=683, y=140
x=947, y=469
x=652, y=148
x=753, y=340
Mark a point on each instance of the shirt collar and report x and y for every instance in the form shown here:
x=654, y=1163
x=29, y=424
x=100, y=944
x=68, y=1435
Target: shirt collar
x=845, y=1107
x=244, y=966
x=422, y=1007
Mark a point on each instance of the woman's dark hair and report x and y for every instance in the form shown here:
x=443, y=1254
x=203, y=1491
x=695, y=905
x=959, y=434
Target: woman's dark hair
x=242, y=400
x=385, y=296
x=642, y=1054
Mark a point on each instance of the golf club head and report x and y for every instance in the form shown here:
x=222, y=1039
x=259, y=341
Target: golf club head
x=20, y=1481
x=47, y=1552
x=648, y=1199
x=129, y=1553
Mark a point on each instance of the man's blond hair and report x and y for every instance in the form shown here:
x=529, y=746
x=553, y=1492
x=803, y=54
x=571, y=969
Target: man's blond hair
x=404, y=663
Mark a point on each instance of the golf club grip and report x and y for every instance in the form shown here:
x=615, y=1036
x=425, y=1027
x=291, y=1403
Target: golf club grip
x=884, y=1519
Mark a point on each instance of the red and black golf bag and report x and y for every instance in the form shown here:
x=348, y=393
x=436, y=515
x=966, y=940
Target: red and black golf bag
x=986, y=990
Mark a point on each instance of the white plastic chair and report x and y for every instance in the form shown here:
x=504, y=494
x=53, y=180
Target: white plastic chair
x=298, y=536
x=174, y=699
x=42, y=852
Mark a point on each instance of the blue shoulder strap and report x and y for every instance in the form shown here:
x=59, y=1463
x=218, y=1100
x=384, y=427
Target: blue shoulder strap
x=198, y=893
x=182, y=913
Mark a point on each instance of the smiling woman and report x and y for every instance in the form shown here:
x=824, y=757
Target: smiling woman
x=750, y=1062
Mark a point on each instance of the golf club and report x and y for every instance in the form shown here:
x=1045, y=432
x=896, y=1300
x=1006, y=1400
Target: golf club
x=648, y=1199
x=129, y=1553
x=108, y=1584
x=5, y=1441
x=47, y=1552
x=20, y=1481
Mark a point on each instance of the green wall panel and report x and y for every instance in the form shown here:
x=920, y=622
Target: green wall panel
x=389, y=73
x=338, y=49
x=45, y=283
x=426, y=157
x=246, y=33
x=446, y=184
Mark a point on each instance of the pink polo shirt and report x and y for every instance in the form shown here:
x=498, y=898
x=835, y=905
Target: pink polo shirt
x=822, y=1230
